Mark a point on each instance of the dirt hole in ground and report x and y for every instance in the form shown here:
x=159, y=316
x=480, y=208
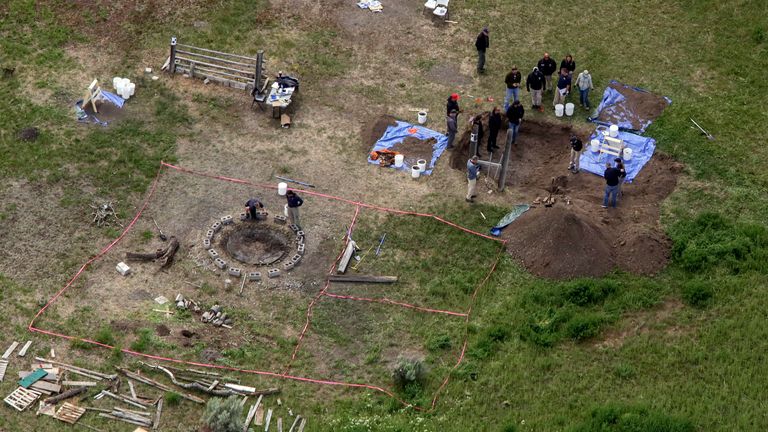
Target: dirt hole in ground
x=256, y=244
x=576, y=237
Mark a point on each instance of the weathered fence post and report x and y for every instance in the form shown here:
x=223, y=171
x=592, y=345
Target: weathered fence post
x=504, y=167
x=172, y=58
x=259, y=70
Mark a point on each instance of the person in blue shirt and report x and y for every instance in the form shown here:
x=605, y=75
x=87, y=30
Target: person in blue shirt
x=252, y=206
x=563, y=87
x=473, y=172
x=294, y=202
x=612, y=178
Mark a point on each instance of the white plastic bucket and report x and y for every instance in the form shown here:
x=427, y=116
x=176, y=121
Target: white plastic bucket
x=415, y=171
x=559, y=108
x=614, y=131
x=131, y=88
x=627, y=154
x=115, y=82
x=399, y=160
x=569, y=109
x=285, y=210
x=422, y=164
x=594, y=145
x=422, y=117
x=282, y=188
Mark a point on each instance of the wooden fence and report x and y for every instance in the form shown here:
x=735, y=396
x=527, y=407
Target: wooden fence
x=232, y=70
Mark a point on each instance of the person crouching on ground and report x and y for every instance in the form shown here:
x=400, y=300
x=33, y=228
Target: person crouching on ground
x=494, y=124
x=294, y=202
x=252, y=206
x=612, y=177
x=576, y=147
x=473, y=172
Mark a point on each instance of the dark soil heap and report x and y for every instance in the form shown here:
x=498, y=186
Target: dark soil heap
x=374, y=129
x=637, y=107
x=414, y=149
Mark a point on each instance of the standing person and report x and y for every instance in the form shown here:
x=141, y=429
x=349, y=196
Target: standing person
x=622, y=172
x=478, y=122
x=252, y=206
x=568, y=64
x=515, y=115
x=576, y=147
x=494, y=124
x=563, y=87
x=512, y=81
x=294, y=202
x=584, y=84
x=473, y=172
x=547, y=66
x=612, y=178
x=482, y=43
x=453, y=104
x=450, y=123
x=536, y=84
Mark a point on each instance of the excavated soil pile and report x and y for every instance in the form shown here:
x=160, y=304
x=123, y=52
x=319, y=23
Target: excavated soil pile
x=414, y=149
x=460, y=153
x=576, y=237
x=637, y=107
x=373, y=130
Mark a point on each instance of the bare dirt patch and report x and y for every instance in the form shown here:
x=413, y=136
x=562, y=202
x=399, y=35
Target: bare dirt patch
x=636, y=107
x=576, y=237
x=638, y=323
x=374, y=128
x=448, y=74
x=414, y=149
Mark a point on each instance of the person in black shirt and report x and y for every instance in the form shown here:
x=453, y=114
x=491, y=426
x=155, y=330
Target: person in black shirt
x=450, y=123
x=612, y=178
x=294, y=202
x=494, y=124
x=477, y=123
x=515, y=115
x=252, y=206
x=568, y=64
x=622, y=172
x=547, y=66
x=512, y=80
x=453, y=104
x=576, y=146
x=536, y=84
x=482, y=43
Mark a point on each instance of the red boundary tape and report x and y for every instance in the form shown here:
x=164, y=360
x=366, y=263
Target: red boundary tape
x=323, y=293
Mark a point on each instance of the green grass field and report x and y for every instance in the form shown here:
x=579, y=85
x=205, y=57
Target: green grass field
x=682, y=351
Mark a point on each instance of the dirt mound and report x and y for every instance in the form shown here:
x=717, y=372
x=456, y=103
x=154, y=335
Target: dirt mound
x=637, y=107
x=414, y=149
x=28, y=134
x=373, y=129
x=576, y=237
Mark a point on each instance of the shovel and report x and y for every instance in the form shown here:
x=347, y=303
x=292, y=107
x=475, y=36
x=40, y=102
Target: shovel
x=163, y=237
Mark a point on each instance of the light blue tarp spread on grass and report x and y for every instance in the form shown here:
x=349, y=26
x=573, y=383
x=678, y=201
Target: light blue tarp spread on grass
x=113, y=98
x=612, y=106
x=642, y=150
x=510, y=217
x=396, y=134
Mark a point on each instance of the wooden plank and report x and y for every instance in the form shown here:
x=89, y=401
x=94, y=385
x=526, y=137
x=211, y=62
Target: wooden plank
x=132, y=389
x=158, y=413
x=348, y=252
x=267, y=421
x=259, y=421
x=21, y=398
x=3, y=368
x=362, y=279
x=69, y=413
x=211, y=73
x=112, y=417
x=249, y=417
x=279, y=424
x=76, y=369
x=301, y=426
x=10, y=350
x=224, y=81
x=135, y=403
x=79, y=383
x=214, y=52
x=295, y=422
x=23, y=350
x=197, y=63
x=32, y=378
x=248, y=65
x=46, y=387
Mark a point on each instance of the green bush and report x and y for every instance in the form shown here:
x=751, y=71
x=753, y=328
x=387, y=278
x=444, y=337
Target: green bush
x=439, y=342
x=614, y=418
x=223, y=415
x=409, y=371
x=144, y=341
x=585, y=292
x=584, y=326
x=172, y=398
x=105, y=336
x=697, y=294
x=544, y=329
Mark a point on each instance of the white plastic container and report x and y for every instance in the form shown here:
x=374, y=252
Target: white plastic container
x=285, y=210
x=422, y=117
x=282, y=188
x=131, y=88
x=115, y=82
x=559, y=108
x=422, y=164
x=123, y=268
x=613, y=131
x=399, y=158
x=594, y=145
x=415, y=172
x=627, y=154
x=569, y=109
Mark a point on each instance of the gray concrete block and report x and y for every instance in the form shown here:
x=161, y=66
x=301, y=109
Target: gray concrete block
x=209, y=234
x=294, y=227
x=262, y=215
x=273, y=273
x=216, y=226
x=299, y=233
x=226, y=220
x=243, y=216
x=296, y=258
x=280, y=219
x=288, y=265
x=299, y=240
x=254, y=276
x=300, y=248
x=234, y=271
x=220, y=263
x=213, y=253
x=206, y=243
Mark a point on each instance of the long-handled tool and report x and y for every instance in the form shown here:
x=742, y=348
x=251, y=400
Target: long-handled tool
x=707, y=134
x=163, y=237
x=381, y=242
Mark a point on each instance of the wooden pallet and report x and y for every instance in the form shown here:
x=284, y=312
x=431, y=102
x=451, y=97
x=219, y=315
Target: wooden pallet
x=3, y=368
x=69, y=413
x=21, y=398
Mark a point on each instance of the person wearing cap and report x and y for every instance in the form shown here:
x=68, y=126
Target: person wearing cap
x=473, y=172
x=512, y=81
x=547, y=66
x=482, y=43
x=515, y=115
x=612, y=178
x=294, y=201
x=453, y=104
x=584, y=84
x=450, y=123
x=494, y=124
x=568, y=64
x=563, y=87
x=622, y=172
x=536, y=84
x=576, y=147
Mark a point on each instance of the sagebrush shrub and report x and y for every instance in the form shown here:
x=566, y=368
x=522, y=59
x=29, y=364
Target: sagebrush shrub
x=223, y=415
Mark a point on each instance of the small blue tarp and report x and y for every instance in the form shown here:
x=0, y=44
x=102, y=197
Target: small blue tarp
x=613, y=107
x=113, y=98
x=396, y=134
x=642, y=150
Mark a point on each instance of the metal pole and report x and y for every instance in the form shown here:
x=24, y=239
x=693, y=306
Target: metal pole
x=473, y=140
x=504, y=166
x=172, y=60
x=259, y=71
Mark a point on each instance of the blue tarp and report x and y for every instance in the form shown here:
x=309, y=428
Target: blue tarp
x=642, y=150
x=613, y=107
x=510, y=217
x=396, y=134
x=115, y=99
